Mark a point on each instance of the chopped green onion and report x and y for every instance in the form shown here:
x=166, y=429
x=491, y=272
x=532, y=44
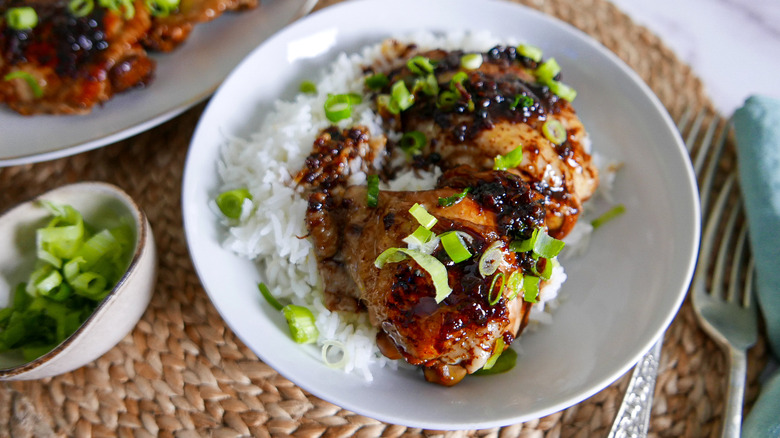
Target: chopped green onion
x=530, y=288
x=420, y=65
x=377, y=81
x=327, y=352
x=268, y=297
x=429, y=263
x=420, y=213
x=162, y=8
x=494, y=299
x=231, y=202
x=548, y=268
x=547, y=246
x=372, y=194
x=547, y=70
x=454, y=247
x=339, y=106
x=91, y=285
x=554, y=131
x=514, y=284
x=413, y=142
x=449, y=201
x=505, y=362
x=114, y=5
x=527, y=101
x=37, y=91
x=21, y=18
x=419, y=238
x=562, y=90
x=400, y=96
x=447, y=99
x=471, y=61
x=427, y=85
x=610, y=214
x=301, y=323
x=458, y=79
x=491, y=259
x=510, y=160
x=531, y=52
x=499, y=348
x=81, y=8
x=308, y=87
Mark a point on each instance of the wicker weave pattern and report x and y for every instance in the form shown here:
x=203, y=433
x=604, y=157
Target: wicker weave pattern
x=183, y=373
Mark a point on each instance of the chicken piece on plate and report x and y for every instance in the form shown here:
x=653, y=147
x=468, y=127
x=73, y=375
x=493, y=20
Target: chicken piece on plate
x=168, y=32
x=68, y=64
x=479, y=114
x=457, y=335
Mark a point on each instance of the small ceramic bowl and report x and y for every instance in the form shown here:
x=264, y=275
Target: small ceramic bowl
x=101, y=205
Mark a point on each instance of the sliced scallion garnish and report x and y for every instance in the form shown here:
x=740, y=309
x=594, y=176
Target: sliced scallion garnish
x=522, y=100
x=510, y=160
x=449, y=201
x=471, y=61
x=531, y=52
x=562, y=90
x=162, y=8
x=514, y=284
x=372, y=194
x=308, y=87
x=499, y=348
x=491, y=259
x=447, y=99
x=376, y=81
x=36, y=89
x=547, y=246
x=419, y=239
x=503, y=363
x=429, y=263
x=81, y=8
x=332, y=347
x=21, y=18
x=301, y=323
x=454, y=246
x=610, y=214
x=400, y=97
x=427, y=85
x=231, y=202
x=424, y=218
x=339, y=106
x=420, y=65
x=531, y=288
x=413, y=142
x=554, y=131
x=494, y=297
x=547, y=70
x=268, y=297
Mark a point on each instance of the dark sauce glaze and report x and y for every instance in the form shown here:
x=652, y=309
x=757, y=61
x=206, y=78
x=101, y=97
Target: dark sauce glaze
x=60, y=40
x=326, y=167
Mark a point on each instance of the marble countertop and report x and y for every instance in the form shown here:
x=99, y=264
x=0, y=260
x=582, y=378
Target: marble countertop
x=732, y=45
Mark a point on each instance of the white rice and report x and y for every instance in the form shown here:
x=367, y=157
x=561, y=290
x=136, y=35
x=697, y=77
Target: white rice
x=269, y=233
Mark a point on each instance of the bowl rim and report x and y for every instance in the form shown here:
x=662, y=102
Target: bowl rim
x=141, y=225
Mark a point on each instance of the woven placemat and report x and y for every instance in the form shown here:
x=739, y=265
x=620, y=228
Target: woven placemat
x=182, y=372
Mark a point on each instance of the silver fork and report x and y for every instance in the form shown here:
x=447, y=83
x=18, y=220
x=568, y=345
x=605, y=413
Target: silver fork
x=725, y=306
x=633, y=416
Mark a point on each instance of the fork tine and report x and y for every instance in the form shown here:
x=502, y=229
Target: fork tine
x=750, y=273
x=736, y=266
x=723, y=254
x=708, y=178
x=682, y=124
x=690, y=140
x=704, y=147
x=712, y=226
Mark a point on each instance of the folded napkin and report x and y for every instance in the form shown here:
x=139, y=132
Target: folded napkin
x=757, y=126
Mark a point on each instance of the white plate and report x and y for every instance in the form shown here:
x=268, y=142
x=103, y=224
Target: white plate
x=183, y=78
x=619, y=297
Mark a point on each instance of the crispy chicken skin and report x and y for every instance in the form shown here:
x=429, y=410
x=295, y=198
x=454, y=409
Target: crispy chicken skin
x=496, y=122
x=170, y=31
x=77, y=62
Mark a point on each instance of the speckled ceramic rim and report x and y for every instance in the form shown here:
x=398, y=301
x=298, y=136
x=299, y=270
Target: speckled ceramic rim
x=141, y=225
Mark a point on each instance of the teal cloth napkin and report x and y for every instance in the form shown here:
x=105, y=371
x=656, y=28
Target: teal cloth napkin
x=757, y=127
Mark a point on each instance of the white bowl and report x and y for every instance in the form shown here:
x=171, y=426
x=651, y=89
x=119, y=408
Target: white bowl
x=620, y=295
x=101, y=204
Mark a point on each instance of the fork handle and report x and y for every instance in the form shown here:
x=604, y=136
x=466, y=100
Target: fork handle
x=633, y=417
x=735, y=393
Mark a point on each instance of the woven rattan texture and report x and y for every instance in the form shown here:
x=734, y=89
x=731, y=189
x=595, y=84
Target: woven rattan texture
x=182, y=372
